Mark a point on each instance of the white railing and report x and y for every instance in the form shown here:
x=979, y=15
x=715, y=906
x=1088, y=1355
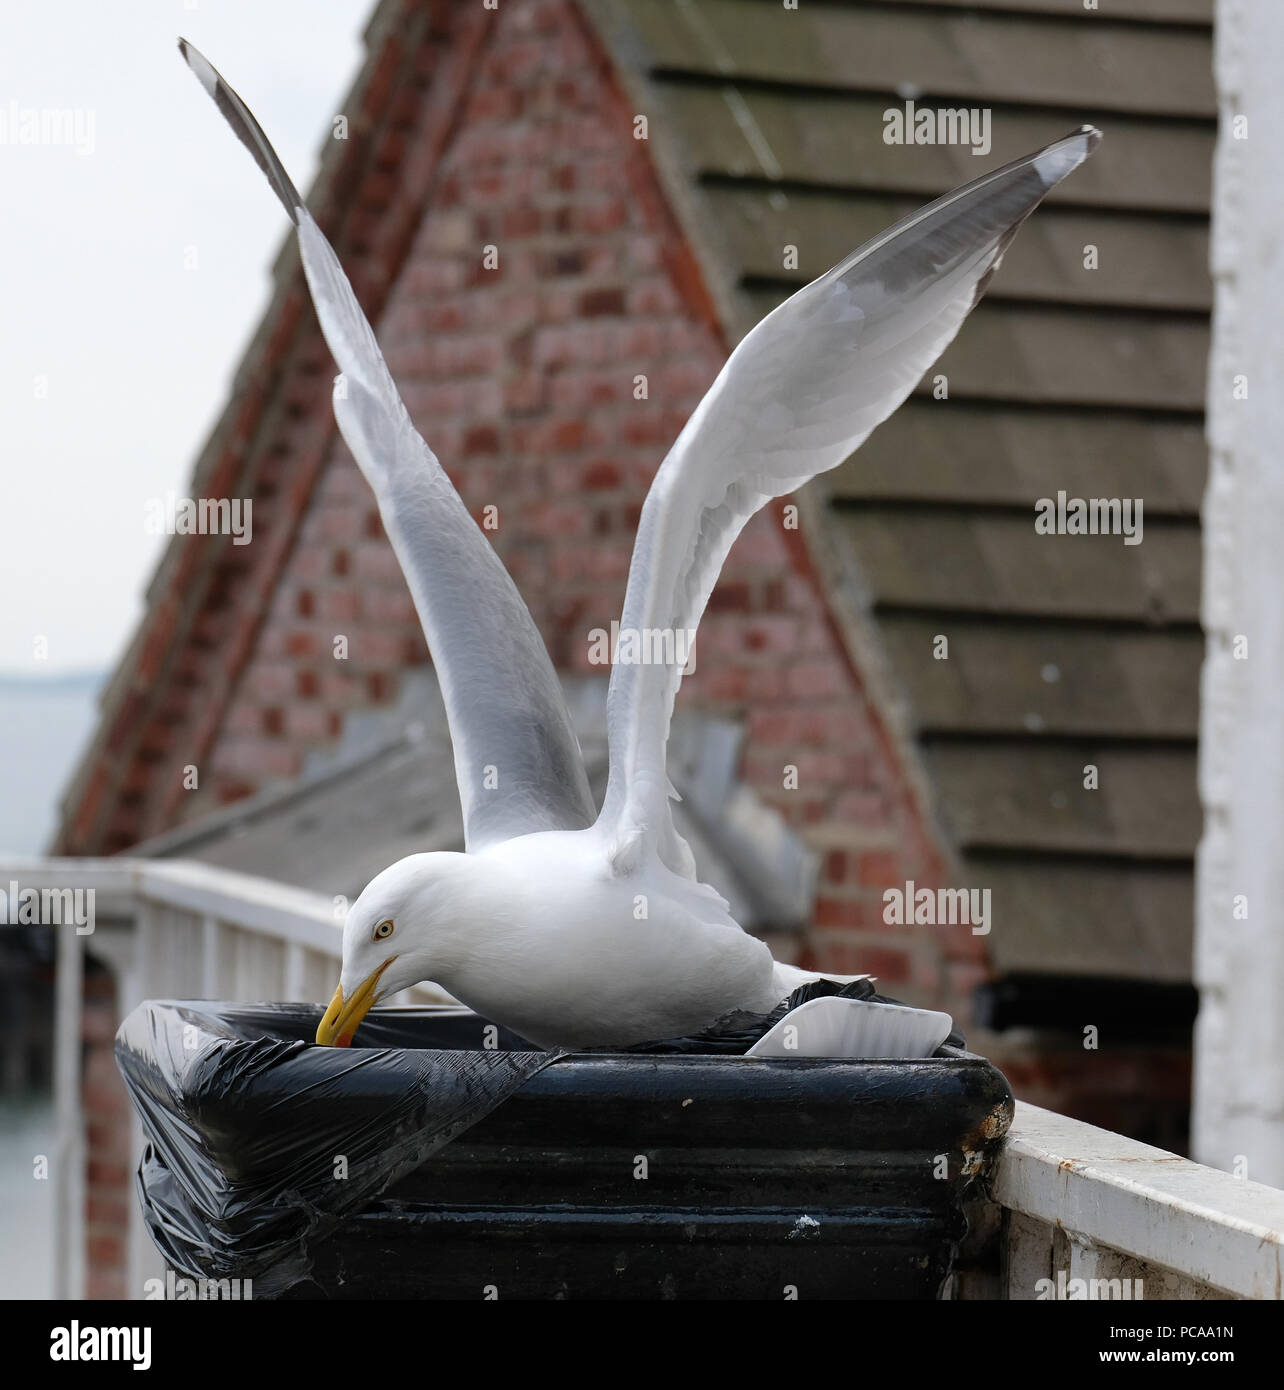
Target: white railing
x=1074, y=1203
x=1093, y=1214
x=166, y=929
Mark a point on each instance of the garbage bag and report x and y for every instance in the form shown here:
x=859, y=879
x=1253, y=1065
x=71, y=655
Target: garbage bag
x=737, y=1032
x=260, y=1144
x=226, y=1197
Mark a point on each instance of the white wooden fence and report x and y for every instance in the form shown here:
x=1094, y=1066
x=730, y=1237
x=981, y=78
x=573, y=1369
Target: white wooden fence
x=167, y=930
x=1094, y=1214
x=1077, y=1203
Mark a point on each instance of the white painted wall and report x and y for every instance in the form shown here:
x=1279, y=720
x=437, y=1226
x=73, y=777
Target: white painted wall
x=1239, y=964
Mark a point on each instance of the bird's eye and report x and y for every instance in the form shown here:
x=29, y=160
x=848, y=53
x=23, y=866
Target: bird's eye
x=384, y=930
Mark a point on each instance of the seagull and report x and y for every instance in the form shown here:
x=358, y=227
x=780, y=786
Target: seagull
x=577, y=927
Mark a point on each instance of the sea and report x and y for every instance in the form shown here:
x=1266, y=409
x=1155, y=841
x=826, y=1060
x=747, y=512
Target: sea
x=44, y=725
x=26, y=1196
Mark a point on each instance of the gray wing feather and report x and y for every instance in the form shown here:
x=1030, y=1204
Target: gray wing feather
x=796, y=397
x=517, y=760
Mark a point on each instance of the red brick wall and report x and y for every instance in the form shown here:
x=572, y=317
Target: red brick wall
x=1142, y=1091
x=522, y=380
x=108, y=1163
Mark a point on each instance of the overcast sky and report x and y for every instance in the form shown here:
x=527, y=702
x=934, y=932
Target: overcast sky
x=115, y=358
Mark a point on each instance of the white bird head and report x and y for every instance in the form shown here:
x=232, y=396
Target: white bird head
x=409, y=924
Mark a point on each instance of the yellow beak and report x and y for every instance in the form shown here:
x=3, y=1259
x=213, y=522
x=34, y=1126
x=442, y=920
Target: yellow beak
x=341, y=1019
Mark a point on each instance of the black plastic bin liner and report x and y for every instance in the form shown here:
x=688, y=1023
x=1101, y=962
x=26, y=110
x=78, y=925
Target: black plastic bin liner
x=261, y=1145
x=227, y=1196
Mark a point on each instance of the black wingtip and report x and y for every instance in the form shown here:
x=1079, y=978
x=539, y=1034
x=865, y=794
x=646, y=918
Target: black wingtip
x=248, y=131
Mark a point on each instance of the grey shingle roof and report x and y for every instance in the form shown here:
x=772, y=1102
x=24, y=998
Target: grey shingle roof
x=388, y=790
x=767, y=126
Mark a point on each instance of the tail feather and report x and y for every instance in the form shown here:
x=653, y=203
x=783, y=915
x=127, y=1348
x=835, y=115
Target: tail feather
x=787, y=978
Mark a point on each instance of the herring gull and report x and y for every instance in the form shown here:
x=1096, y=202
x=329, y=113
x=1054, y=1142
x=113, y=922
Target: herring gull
x=574, y=927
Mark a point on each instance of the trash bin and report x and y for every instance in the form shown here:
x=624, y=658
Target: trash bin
x=444, y=1158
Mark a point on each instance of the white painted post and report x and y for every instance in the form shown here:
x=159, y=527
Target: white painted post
x=1238, y=1121
x=294, y=967
x=209, y=957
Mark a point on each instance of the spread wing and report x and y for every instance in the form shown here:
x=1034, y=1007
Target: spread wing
x=798, y=394
x=517, y=759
